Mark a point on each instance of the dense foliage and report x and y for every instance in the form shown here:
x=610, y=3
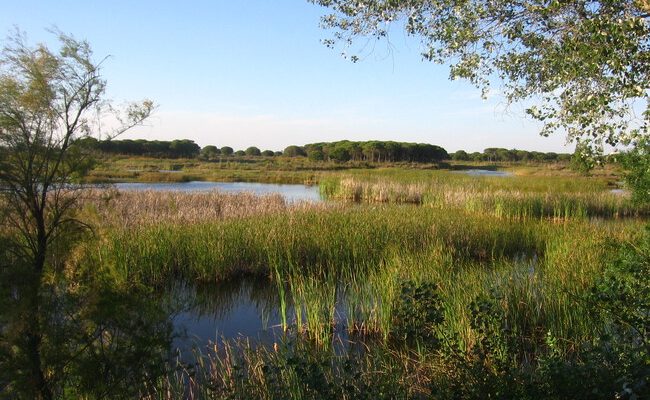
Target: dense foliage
x=637, y=165
x=584, y=64
x=501, y=154
x=151, y=148
x=375, y=151
x=341, y=151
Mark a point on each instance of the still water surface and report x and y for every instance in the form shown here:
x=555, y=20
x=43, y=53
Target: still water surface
x=484, y=172
x=244, y=308
x=289, y=192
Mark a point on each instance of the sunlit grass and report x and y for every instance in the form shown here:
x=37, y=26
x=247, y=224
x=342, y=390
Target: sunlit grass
x=533, y=245
x=555, y=198
x=359, y=255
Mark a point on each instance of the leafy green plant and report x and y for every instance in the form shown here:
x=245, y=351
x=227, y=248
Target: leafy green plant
x=417, y=313
x=636, y=163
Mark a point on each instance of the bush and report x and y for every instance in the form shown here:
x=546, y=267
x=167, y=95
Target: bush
x=417, y=313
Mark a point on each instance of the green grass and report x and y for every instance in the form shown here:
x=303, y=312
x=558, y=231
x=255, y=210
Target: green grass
x=524, y=251
x=297, y=170
x=367, y=251
x=540, y=342
x=519, y=197
x=303, y=170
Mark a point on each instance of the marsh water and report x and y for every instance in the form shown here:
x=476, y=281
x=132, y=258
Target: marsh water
x=245, y=308
x=484, y=172
x=289, y=192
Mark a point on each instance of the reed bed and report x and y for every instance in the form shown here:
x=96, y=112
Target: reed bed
x=321, y=255
x=501, y=197
x=321, y=258
x=113, y=208
x=313, y=239
x=342, y=268
x=293, y=370
x=532, y=247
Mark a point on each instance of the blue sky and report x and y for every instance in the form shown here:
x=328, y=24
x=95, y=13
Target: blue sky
x=242, y=73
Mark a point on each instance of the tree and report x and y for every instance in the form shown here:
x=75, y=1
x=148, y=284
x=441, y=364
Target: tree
x=460, y=155
x=184, y=148
x=585, y=64
x=340, y=154
x=210, y=152
x=253, y=151
x=268, y=153
x=294, y=151
x=315, y=153
x=47, y=101
x=637, y=163
x=226, y=150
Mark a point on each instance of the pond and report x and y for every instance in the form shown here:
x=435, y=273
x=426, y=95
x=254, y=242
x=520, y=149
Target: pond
x=619, y=192
x=291, y=193
x=484, y=172
x=250, y=308
x=244, y=308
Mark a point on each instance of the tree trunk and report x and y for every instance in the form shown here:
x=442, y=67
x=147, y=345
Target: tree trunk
x=34, y=336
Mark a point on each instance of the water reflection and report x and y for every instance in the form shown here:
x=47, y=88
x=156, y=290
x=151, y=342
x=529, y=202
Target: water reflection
x=249, y=308
x=246, y=307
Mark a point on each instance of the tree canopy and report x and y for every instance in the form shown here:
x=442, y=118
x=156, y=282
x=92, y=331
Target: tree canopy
x=140, y=147
x=582, y=66
x=375, y=151
x=253, y=151
x=339, y=151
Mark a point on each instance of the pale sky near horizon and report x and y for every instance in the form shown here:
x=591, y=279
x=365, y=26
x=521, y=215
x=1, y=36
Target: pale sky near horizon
x=254, y=73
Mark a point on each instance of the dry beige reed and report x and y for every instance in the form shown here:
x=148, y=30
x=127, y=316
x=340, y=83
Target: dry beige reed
x=127, y=208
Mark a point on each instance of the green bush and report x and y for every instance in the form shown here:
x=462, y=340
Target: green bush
x=417, y=313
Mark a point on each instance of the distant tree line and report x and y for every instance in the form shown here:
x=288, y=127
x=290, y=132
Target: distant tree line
x=152, y=148
x=374, y=151
x=501, y=154
x=345, y=150
x=340, y=151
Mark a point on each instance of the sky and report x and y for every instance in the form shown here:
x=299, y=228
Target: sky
x=255, y=73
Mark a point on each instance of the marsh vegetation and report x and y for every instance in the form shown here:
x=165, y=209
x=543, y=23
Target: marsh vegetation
x=525, y=277
x=407, y=284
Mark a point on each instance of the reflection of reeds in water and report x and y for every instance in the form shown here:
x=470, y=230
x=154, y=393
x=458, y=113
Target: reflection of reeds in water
x=219, y=300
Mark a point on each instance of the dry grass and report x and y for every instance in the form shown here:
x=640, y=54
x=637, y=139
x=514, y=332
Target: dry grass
x=130, y=208
x=383, y=192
